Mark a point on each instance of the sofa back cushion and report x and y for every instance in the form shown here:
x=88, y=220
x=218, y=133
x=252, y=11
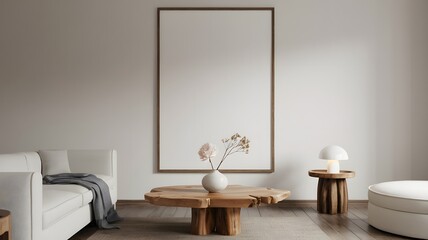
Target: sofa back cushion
x=93, y=160
x=20, y=162
x=54, y=162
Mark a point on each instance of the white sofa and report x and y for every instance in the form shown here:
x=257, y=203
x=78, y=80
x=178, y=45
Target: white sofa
x=51, y=212
x=400, y=207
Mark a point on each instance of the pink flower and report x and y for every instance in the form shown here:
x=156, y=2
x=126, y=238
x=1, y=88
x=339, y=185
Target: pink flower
x=207, y=151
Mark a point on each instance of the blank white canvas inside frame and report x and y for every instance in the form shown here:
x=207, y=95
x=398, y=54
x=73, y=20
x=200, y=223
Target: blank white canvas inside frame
x=215, y=80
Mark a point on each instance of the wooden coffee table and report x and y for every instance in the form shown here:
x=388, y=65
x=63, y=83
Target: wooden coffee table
x=218, y=212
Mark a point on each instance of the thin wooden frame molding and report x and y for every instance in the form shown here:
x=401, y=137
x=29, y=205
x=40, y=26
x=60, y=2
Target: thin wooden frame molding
x=215, y=72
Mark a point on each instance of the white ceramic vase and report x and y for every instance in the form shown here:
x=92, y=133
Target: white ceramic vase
x=214, y=182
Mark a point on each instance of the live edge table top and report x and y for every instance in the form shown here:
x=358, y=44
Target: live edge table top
x=215, y=212
x=234, y=196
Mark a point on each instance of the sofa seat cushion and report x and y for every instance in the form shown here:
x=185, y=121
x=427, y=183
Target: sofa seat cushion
x=84, y=193
x=404, y=196
x=58, y=203
x=61, y=199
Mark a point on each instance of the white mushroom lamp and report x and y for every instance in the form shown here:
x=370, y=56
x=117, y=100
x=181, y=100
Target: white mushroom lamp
x=333, y=154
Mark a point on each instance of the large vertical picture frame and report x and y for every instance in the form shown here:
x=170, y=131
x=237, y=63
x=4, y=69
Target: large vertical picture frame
x=215, y=75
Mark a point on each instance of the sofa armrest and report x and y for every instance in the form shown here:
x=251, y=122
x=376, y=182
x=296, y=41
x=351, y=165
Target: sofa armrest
x=21, y=194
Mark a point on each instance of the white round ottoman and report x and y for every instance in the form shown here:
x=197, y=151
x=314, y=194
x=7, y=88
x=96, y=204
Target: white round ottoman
x=400, y=207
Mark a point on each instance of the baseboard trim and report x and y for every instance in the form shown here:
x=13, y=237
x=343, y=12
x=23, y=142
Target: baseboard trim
x=131, y=202
x=285, y=203
x=311, y=203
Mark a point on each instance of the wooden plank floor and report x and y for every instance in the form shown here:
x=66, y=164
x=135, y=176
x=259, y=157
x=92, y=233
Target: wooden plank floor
x=352, y=225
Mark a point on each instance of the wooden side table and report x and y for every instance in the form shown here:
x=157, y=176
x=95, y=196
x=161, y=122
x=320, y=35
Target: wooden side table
x=332, y=195
x=5, y=225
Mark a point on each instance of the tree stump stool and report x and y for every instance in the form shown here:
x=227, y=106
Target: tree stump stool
x=332, y=195
x=5, y=225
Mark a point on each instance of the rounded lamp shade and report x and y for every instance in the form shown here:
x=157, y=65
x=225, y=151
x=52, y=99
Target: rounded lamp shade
x=333, y=152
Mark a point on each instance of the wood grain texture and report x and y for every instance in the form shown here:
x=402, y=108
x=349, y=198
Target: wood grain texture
x=203, y=221
x=342, y=196
x=215, y=212
x=234, y=196
x=332, y=196
x=322, y=173
x=332, y=191
x=5, y=224
x=228, y=221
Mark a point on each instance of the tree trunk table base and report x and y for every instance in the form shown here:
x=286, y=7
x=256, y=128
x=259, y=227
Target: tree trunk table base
x=225, y=221
x=215, y=212
x=332, y=194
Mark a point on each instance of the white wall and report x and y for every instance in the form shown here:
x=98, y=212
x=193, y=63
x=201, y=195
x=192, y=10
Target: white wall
x=81, y=74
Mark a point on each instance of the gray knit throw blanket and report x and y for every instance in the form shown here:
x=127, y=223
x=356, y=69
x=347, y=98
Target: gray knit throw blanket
x=104, y=212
